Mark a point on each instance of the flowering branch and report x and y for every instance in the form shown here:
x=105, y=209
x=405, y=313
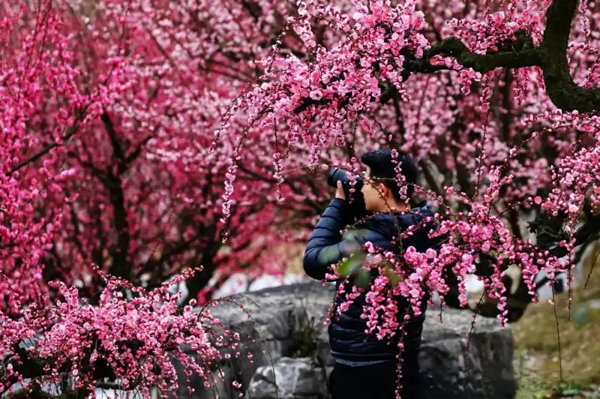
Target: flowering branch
x=550, y=56
x=132, y=340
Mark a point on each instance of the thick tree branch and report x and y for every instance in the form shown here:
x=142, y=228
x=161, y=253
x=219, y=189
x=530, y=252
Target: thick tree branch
x=561, y=89
x=484, y=62
x=550, y=56
x=120, y=267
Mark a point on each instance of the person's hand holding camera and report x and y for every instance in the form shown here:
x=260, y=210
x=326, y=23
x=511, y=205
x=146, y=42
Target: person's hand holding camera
x=339, y=192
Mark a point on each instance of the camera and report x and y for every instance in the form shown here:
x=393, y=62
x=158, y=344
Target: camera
x=349, y=181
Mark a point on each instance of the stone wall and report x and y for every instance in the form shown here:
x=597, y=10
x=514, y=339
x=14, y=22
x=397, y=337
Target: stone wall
x=281, y=314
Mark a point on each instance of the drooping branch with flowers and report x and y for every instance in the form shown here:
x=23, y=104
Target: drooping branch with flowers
x=154, y=138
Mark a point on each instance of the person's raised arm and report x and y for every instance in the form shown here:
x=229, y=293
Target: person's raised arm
x=325, y=246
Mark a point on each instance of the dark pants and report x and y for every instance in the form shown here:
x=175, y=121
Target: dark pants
x=378, y=381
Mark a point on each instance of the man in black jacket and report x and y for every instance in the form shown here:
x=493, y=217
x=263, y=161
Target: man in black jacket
x=365, y=367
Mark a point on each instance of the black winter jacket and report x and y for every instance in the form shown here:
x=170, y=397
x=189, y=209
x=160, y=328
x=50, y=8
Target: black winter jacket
x=347, y=332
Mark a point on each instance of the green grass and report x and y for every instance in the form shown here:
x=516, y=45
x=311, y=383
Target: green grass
x=536, y=344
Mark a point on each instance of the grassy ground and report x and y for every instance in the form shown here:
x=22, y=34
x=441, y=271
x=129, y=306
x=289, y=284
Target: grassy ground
x=538, y=362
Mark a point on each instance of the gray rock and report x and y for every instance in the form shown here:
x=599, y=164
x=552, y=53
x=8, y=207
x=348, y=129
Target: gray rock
x=594, y=304
x=289, y=378
x=449, y=371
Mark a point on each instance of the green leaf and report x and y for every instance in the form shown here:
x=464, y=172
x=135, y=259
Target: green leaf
x=330, y=254
x=354, y=235
x=581, y=315
x=392, y=276
x=350, y=265
x=362, y=278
